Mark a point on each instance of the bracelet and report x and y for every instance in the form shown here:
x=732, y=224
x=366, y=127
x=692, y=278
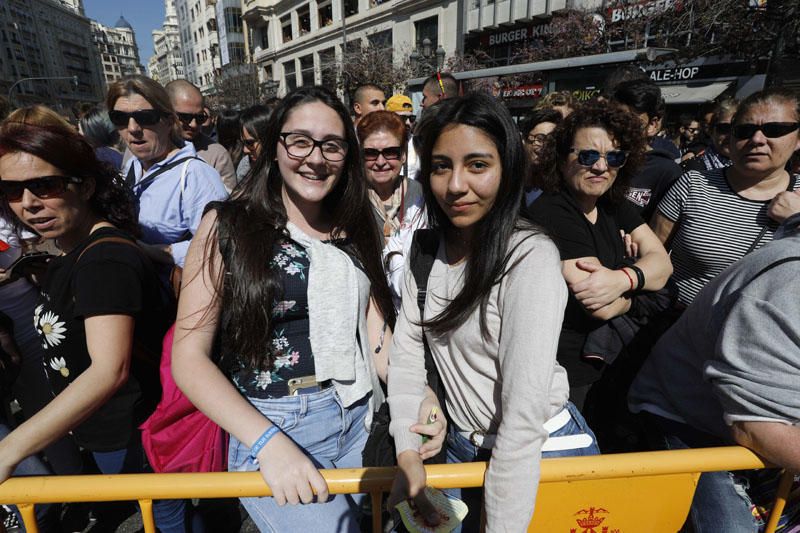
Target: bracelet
x=639, y=277
x=630, y=278
x=262, y=441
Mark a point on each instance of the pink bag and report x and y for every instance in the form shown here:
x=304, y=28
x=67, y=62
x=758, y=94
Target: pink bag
x=177, y=437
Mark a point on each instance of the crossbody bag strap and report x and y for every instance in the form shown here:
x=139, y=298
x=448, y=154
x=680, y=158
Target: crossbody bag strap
x=757, y=241
x=150, y=177
x=121, y=240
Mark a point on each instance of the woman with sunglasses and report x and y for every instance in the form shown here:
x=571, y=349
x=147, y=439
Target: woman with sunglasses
x=397, y=201
x=718, y=153
x=171, y=184
x=252, y=129
x=100, y=302
x=288, y=277
x=713, y=218
x=585, y=166
x=492, y=313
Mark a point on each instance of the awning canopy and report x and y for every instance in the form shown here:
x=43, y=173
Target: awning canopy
x=693, y=94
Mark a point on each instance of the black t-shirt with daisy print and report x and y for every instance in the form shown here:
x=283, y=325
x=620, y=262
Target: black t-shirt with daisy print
x=110, y=278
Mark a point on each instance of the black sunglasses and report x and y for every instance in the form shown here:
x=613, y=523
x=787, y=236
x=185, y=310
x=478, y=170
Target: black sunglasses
x=614, y=158
x=723, y=128
x=187, y=118
x=43, y=187
x=249, y=142
x=389, y=153
x=771, y=130
x=143, y=117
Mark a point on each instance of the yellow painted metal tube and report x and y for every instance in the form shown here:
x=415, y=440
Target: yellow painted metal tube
x=784, y=487
x=29, y=518
x=51, y=489
x=148, y=521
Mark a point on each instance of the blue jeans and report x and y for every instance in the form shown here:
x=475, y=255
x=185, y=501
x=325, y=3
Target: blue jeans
x=333, y=436
x=720, y=502
x=461, y=450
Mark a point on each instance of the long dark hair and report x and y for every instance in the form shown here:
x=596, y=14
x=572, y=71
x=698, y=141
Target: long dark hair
x=487, y=261
x=254, y=219
x=74, y=156
x=623, y=127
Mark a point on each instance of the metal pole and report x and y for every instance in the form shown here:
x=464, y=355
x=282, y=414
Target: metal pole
x=11, y=90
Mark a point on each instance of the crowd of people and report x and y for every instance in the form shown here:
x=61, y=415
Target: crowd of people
x=441, y=286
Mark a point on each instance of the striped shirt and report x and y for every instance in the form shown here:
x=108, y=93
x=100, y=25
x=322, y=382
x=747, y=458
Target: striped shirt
x=715, y=227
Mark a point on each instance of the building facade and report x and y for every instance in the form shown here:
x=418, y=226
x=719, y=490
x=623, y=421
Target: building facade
x=48, y=39
x=166, y=64
x=117, y=48
x=197, y=28
x=292, y=42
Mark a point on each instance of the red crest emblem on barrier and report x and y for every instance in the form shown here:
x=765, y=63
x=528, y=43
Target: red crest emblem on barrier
x=590, y=520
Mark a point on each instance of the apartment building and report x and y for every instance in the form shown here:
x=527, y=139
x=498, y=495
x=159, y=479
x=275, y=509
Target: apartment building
x=197, y=28
x=166, y=64
x=119, y=53
x=292, y=41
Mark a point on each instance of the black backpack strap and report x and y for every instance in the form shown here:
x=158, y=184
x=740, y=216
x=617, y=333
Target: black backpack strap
x=769, y=267
x=424, y=245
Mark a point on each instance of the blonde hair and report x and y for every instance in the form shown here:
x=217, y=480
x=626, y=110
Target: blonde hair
x=39, y=115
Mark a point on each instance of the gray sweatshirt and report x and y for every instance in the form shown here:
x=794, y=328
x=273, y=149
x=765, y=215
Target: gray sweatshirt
x=734, y=355
x=508, y=383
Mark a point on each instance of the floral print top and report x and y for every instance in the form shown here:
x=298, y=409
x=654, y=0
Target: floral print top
x=290, y=345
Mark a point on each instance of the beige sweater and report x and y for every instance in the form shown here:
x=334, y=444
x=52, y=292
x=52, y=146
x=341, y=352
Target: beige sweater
x=508, y=384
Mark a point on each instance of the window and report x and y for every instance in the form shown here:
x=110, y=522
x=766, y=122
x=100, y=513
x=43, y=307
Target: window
x=382, y=39
x=233, y=20
x=427, y=28
x=304, y=19
x=307, y=69
x=350, y=7
x=263, y=33
x=327, y=67
x=289, y=75
x=325, y=13
x=236, y=52
x=286, y=27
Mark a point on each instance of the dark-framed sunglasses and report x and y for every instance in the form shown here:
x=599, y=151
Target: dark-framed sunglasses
x=723, y=128
x=250, y=143
x=143, y=117
x=614, y=158
x=42, y=187
x=772, y=130
x=390, y=153
x=187, y=118
x=301, y=145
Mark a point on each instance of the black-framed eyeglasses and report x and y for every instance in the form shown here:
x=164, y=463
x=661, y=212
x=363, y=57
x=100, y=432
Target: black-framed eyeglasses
x=723, y=128
x=187, y=118
x=41, y=187
x=772, y=130
x=301, y=145
x=614, y=158
x=390, y=153
x=143, y=117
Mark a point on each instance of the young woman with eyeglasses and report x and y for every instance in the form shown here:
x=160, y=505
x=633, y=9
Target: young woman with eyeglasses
x=397, y=202
x=585, y=166
x=713, y=218
x=287, y=276
x=492, y=314
x=100, y=302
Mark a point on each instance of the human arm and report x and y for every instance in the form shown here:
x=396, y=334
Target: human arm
x=531, y=302
x=202, y=185
x=287, y=470
x=109, y=340
x=663, y=228
x=776, y=442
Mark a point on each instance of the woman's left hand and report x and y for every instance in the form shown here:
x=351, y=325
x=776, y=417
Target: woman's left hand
x=436, y=431
x=602, y=287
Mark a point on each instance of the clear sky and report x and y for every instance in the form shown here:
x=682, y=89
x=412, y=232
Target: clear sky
x=144, y=15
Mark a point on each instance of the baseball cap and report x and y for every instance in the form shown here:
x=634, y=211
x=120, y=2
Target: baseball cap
x=399, y=103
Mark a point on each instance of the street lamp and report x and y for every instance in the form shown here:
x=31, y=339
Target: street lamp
x=423, y=57
x=74, y=80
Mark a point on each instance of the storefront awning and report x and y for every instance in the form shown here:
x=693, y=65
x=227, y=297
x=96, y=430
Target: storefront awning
x=686, y=94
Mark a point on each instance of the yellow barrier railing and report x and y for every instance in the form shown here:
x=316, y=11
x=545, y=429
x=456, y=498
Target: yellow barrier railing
x=144, y=488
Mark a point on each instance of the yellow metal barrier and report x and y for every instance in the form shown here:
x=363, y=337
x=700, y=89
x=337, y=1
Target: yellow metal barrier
x=634, y=492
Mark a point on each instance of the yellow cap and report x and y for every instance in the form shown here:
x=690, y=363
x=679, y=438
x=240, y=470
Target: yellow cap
x=399, y=103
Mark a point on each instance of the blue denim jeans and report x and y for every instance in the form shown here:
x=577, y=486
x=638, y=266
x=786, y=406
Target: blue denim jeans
x=720, y=502
x=461, y=450
x=333, y=436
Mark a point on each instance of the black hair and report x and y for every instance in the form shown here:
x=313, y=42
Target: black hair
x=254, y=219
x=98, y=129
x=641, y=96
x=229, y=132
x=536, y=117
x=255, y=119
x=487, y=261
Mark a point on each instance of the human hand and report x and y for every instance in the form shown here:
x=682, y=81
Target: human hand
x=784, y=205
x=410, y=483
x=289, y=472
x=436, y=431
x=602, y=287
x=631, y=248
x=5, y=277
